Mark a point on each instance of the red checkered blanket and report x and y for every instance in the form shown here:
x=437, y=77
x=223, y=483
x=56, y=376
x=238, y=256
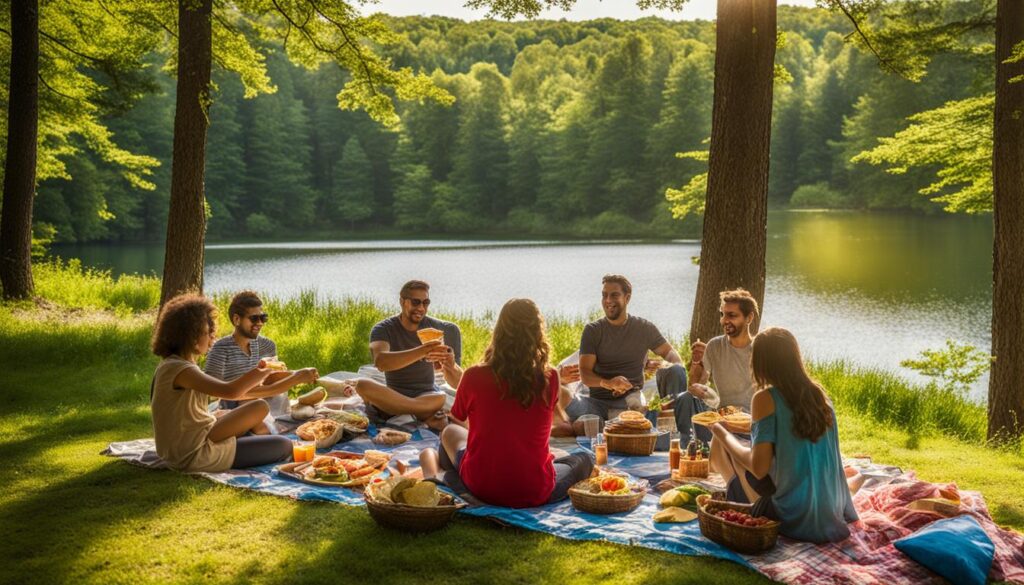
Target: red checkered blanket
x=869, y=556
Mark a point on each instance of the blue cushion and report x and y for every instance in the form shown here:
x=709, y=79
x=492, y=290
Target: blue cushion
x=955, y=548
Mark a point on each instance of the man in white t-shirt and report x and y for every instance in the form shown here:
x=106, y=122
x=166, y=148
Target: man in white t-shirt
x=725, y=360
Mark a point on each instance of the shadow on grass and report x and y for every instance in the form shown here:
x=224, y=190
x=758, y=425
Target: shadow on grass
x=339, y=540
x=61, y=521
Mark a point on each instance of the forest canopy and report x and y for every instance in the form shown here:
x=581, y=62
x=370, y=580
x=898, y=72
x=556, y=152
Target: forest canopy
x=557, y=129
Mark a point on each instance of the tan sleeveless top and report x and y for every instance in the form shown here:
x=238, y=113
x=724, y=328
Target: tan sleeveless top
x=181, y=423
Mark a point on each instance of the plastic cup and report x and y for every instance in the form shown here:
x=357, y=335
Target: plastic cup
x=600, y=449
x=591, y=425
x=303, y=451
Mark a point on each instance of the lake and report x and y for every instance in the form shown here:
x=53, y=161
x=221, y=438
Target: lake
x=872, y=288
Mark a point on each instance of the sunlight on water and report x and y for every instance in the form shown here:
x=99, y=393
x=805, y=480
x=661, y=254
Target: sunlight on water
x=870, y=288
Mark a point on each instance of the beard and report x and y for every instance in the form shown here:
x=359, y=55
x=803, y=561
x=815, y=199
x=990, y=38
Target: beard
x=613, y=313
x=248, y=333
x=732, y=331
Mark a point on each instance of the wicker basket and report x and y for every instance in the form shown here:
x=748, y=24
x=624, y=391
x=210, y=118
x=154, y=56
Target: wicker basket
x=584, y=501
x=695, y=468
x=412, y=518
x=631, y=444
x=749, y=540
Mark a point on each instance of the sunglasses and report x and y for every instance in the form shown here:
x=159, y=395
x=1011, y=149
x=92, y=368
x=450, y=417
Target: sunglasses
x=262, y=317
x=418, y=302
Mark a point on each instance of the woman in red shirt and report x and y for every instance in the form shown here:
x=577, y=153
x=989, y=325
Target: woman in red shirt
x=508, y=403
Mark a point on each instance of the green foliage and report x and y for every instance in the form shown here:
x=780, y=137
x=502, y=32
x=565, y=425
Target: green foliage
x=957, y=140
x=816, y=196
x=690, y=199
x=353, y=184
x=259, y=224
x=89, y=66
x=955, y=367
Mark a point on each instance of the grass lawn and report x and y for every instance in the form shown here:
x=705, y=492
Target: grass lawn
x=75, y=379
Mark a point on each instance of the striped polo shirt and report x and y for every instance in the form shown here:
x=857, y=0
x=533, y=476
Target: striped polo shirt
x=226, y=361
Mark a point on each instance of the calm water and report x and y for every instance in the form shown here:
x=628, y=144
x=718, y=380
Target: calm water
x=871, y=288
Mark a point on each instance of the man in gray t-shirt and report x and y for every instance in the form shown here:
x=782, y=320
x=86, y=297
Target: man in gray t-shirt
x=725, y=360
x=409, y=364
x=613, y=357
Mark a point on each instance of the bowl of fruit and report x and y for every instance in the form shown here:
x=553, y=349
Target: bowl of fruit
x=732, y=526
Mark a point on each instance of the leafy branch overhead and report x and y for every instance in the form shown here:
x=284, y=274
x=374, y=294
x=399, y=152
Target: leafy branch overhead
x=95, y=59
x=509, y=9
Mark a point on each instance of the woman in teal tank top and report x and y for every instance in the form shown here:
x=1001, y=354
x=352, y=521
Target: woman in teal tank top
x=793, y=470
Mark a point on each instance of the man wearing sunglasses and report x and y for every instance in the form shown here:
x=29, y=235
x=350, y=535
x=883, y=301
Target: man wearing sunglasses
x=235, y=354
x=409, y=365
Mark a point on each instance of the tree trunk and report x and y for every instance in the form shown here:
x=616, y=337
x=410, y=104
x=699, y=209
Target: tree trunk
x=1006, y=384
x=20, y=166
x=186, y=221
x=735, y=217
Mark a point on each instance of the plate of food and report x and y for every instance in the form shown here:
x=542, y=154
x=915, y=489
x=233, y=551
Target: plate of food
x=735, y=418
x=607, y=493
x=339, y=468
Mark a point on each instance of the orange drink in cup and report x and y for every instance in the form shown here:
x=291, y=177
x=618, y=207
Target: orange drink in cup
x=303, y=451
x=430, y=334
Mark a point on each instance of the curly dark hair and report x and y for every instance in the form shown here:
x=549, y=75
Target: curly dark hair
x=519, y=352
x=180, y=325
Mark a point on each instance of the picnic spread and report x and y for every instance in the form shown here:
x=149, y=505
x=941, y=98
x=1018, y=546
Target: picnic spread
x=635, y=500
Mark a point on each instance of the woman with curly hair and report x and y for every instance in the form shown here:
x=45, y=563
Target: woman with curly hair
x=793, y=471
x=188, y=437
x=508, y=403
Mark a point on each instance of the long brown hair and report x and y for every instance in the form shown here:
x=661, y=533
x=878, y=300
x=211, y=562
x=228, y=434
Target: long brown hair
x=519, y=352
x=776, y=362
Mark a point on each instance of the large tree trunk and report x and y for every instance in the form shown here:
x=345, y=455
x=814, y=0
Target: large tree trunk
x=1006, y=385
x=735, y=217
x=20, y=166
x=186, y=221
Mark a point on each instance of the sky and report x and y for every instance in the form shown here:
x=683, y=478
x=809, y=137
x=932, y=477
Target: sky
x=584, y=10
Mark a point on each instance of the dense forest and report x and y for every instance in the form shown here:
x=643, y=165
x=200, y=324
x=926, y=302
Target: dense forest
x=557, y=129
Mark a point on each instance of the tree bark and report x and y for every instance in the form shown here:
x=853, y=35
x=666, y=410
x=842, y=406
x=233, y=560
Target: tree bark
x=736, y=212
x=186, y=220
x=20, y=166
x=1006, y=384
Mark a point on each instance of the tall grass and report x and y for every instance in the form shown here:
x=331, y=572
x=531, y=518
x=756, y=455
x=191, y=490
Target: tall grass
x=333, y=335
x=889, y=399
x=71, y=285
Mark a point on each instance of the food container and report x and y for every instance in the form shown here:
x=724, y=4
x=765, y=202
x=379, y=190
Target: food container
x=640, y=444
x=412, y=518
x=585, y=501
x=749, y=540
x=692, y=468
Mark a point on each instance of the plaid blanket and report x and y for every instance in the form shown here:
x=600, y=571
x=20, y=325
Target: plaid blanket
x=869, y=557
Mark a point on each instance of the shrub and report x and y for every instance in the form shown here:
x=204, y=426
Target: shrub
x=258, y=224
x=816, y=195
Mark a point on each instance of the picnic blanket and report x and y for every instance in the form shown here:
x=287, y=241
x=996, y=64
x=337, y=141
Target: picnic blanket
x=867, y=557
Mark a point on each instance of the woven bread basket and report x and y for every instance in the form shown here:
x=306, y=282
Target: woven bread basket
x=749, y=540
x=641, y=444
x=585, y=501
x=412, y=518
